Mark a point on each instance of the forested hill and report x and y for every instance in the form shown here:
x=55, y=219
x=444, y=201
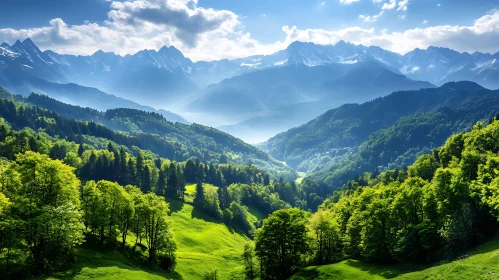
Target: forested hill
x=351, y=124
x=445, y=202
x=389, y=130
x=146, y=130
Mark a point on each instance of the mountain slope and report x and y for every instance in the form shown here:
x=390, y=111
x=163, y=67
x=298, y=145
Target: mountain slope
x=479, y=263
x=203, y=245
x=20, y=80
x=349, y=125
x=162, y=74
x=279, y=98
x=165, y=75
x=385, y=133
x=146, y=130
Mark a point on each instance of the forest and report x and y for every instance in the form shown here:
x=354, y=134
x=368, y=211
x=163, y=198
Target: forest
x=68, y=183
x=67, y=189
x=441, y=205
x=135, y=128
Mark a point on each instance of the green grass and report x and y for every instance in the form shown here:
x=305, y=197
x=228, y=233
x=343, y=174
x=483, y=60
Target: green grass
x=93, y=263
x=203, y=245
x=479, y=263
x=190, y=191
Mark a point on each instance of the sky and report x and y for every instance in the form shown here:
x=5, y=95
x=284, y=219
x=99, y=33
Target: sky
x=218, y=29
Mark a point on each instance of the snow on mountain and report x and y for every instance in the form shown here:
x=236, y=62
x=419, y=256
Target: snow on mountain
x=167, y=74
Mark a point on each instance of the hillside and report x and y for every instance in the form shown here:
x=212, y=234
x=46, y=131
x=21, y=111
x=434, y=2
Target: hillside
x=119, y=191
x=478, y=263
x=17, y=79
x=428, y=116
x=272, y=100
x=399, y=145
x=150, y=131
x=203, y=245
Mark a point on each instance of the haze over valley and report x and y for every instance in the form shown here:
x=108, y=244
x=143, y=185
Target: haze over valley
x=271, y=140
x=272, y=93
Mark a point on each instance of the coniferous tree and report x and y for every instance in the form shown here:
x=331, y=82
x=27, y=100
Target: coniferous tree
x=190, y=171
x=131, y=173
x=161, y=185
x=139, y=167
x=180, y=183
x=80, y=150
x=146, y=180
x=172, y=183
x=266, y=180
x=122, y=169
x=199, y=197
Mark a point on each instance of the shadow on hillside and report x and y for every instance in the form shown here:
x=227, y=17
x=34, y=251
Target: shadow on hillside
x=91, y=257
x=196, y=213
x=175, y=205
x=388, y=271
x=308, y=273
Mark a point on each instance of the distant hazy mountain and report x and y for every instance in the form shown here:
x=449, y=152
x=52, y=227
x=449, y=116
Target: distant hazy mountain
x=24, y=79
x=317, y=143
x=288, y=96
x=249, y=89
x=166, y=75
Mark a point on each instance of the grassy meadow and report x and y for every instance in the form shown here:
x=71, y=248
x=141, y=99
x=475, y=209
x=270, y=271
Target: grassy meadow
x=203, y=245
x=480, y=263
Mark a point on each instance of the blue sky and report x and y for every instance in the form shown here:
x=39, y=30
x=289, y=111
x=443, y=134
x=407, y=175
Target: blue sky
x=214, y=29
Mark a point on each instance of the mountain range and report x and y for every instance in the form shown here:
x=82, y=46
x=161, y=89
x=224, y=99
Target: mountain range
x=253, y=98
x=385, y=133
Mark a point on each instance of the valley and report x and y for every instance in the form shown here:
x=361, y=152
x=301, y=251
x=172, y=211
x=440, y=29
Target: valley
x=181, y=139
x=269, y=94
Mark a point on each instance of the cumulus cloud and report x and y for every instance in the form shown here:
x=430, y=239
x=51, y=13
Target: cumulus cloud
x=371, y=18
x=348, y=1
x=198, y=32
x=389, y=5
x=207, y=34
x=182, y=16
x=402, y=5
x=482, y=36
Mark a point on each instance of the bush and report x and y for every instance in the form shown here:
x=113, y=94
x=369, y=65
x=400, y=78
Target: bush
x=167, y=260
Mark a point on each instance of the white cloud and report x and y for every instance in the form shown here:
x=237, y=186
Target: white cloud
x=180, y=16
x=223, y=37
x=482, y=36
x=425, y=22
x=149, y=24
x=389, y=5
x=371, y=18
x=438, y=5
x=402, y=5
x=348, y=1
